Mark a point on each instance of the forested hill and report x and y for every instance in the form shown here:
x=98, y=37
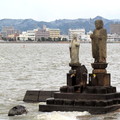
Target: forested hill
x=62, y=24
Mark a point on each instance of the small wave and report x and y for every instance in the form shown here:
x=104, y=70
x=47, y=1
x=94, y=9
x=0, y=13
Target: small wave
x=61, y=115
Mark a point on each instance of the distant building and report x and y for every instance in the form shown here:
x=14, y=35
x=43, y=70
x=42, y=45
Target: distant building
x=79, y=33
x=115, y=28
x=8, y=30
x=113, y=37
x=85, y=38
x=47, y=33
x=64, y=37
x=42, y=33
x=88, y=39
x=23, y=36
x=28, y=35
x=13, y=37
x=31, y=34
x=54, y=33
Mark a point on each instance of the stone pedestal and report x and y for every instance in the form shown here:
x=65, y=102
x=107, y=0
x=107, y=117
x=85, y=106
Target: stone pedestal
x=99, y=79
x=77, y=76
x=76, y=79
x=99, y=76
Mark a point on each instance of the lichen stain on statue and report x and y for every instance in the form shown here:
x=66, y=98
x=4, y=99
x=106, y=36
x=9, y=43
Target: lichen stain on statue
x=99, y=39
x=74, y=51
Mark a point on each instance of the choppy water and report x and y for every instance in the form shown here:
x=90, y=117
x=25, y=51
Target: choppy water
x=44, y=67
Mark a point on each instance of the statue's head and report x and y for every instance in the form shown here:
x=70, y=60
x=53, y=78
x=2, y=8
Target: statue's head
x=99, y=24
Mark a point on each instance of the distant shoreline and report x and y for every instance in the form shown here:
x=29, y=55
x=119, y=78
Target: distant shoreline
x=35, y=42
x=61, y=42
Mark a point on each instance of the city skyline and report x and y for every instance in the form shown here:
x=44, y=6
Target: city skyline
x=58, y=9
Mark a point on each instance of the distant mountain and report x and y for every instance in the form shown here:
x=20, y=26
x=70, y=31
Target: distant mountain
x=62, y=24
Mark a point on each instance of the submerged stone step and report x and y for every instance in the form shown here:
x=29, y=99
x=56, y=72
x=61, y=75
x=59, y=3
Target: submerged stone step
x=37, y=95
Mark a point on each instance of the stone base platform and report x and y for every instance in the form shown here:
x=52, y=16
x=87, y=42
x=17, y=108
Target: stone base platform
x=90, y=109
x=93, y=103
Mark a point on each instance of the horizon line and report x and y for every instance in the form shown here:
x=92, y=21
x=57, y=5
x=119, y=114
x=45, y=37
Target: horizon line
x=55, y=19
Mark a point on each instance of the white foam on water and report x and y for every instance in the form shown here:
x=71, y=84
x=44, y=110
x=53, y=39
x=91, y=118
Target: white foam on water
x=61, y=115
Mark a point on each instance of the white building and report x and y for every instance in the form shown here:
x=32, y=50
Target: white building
x=78, y=32
x=85, y=38
x=64, y=37
x=29, y=35
x=23, y=36
x=113, y=37
x=88, y=39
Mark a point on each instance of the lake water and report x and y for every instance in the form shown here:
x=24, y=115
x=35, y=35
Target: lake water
x=44, y=67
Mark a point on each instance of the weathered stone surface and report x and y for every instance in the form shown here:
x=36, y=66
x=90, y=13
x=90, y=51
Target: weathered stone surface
x=74, y=50
x=77, y=76
x=99, y=65
x=58, y=102
x=100, y=79
x=87, y=96
x=91, y=109
x=17, y=110
x=70, y=89
x=31, y=96
x=64, y=89
x=101, y=103
x=99, y=38
x=38, y=96
x=79, y=102
x=50, y=101
x=99, y=68
x=68, y=102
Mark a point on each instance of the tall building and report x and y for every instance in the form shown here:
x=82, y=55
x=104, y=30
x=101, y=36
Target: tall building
x=54, y=33
x=115, y=28
x=78, y=32
x=42, y=33
x=8, y=30
x=47, y=33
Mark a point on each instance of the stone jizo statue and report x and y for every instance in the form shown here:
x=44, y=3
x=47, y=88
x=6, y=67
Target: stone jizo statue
x=74, y=50
x=99, y=39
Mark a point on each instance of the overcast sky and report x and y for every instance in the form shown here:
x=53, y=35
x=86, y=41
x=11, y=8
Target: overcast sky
x=49, y=10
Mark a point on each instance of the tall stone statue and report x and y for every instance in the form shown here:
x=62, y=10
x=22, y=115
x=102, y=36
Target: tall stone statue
x=99, y=39
x=74, y=50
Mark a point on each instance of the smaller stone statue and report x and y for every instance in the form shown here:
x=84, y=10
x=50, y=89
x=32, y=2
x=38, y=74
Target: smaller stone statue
x=99, y=39
x=74, y=50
